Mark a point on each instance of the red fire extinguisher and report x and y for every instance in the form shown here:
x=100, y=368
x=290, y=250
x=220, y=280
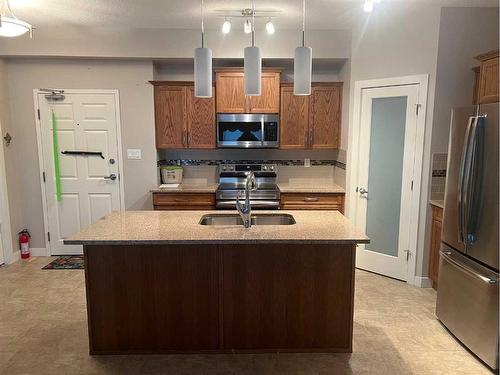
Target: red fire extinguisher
x=24, y=243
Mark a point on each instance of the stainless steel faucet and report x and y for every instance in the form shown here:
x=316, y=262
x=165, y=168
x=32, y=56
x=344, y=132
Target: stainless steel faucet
x=245, y=210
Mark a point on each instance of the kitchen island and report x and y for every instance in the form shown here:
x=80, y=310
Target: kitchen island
x=159, y=282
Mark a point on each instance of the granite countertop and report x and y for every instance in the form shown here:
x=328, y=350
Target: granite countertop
x=310, y=188
x=188, y=188
x=165, y=227
x=437, y=202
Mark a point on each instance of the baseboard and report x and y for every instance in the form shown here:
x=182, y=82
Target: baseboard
x=422, y=282
x=39, y=252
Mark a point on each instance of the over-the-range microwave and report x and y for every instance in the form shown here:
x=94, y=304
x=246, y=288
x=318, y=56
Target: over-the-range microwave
x=248, y=130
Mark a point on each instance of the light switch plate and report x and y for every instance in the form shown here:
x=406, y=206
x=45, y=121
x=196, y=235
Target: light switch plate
x=134, y=154
x=307, y=163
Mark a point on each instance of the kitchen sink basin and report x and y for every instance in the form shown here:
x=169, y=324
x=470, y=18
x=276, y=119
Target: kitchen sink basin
x=257, y=219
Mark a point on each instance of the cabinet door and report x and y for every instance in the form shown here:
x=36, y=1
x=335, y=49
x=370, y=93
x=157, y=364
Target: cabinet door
x=294, y=125
x=269, y=100
x=170, y=116
x=200, y=121
x=230, y=93
x=324, y=117
x=488, y=84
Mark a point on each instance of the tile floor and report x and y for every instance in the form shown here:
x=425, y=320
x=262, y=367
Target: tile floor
x=43, y=331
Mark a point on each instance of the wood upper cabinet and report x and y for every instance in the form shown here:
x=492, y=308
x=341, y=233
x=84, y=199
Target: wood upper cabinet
x=170, y=116
x=181, y=119
x=294, y=121
x=200, y=120
x=324, y=117
x=311, y=121
x=230, y=88
x=269, y=101
x=488, y=77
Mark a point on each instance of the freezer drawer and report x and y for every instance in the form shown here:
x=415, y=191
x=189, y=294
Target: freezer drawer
x=467, y=304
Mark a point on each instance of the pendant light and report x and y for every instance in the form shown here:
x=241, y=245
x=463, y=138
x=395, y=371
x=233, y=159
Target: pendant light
x=252, y=64
x=202, y=66
x=10, y=26
x=302, y=62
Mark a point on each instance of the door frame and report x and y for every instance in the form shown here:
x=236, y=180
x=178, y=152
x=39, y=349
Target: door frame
x=422, y=80
x=6, y=231
x=41, y=162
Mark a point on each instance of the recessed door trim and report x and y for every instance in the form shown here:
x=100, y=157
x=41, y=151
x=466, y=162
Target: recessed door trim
x=421, y=164
x=41, y=160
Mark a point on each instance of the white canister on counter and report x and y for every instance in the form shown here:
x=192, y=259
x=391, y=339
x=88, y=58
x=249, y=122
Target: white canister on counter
x=171, y=174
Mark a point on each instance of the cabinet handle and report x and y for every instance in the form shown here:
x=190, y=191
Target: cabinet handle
x=311, y=199
x=310, y=138
x=189, y=138
x=183, y=138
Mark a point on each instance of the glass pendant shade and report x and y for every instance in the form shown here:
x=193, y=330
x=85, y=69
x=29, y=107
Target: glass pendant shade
x=253, y=71
x=203, y=72
x=302, y=70
x=11, y=27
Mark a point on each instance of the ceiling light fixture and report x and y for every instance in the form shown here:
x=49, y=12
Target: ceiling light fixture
x=302, y=62
x=270, y=27
x=368, y=6
x=247, y=27
x=226, y=26
x=10, y=26
x=252, y=64
x=202, y=66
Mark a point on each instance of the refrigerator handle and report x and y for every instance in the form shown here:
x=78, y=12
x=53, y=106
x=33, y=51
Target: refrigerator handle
x=462, y=179
x=448, y=255
x=474, y=177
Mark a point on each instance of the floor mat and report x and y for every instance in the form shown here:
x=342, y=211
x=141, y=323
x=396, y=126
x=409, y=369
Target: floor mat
x=67, y=262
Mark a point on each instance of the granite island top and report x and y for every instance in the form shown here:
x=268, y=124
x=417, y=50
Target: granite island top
x=182, y=227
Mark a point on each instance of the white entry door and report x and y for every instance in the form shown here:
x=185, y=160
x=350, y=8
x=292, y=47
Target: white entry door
x=386, y=158
x=89, y=183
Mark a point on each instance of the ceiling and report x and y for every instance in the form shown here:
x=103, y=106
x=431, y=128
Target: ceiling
x=185, y=14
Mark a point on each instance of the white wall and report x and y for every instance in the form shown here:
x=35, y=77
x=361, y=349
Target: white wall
x=463, y=34
x=399, y=39
x=137, y=117
x=169, y=43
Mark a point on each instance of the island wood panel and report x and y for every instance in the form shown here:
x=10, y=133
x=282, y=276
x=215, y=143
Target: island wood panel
x=152, y=298
x=183, y=201
x=269, y=100
x=436, y=228
x=325, y=116
x=288, y=297
x=294, y=125
x=312, y=201
x=230, y=92
x=200, y=120
x=170, y=116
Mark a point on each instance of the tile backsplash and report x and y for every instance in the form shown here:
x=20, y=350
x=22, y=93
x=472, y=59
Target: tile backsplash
x=438, y=180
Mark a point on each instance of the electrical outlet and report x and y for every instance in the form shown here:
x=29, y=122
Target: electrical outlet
x=134, y=154
x=307, y=163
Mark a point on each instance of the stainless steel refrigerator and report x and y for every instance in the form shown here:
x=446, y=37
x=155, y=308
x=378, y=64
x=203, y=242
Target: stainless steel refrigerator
x=467, y=295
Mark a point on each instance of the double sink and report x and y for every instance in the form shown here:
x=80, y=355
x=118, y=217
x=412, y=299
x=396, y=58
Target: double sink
x=256, y=219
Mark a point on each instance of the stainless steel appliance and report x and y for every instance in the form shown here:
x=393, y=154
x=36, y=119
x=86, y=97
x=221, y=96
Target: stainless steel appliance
x=467, y=296
x=232, y=180
x=247, y=130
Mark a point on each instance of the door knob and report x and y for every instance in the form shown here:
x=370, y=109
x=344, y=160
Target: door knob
x=111, y=177
x=363, y=191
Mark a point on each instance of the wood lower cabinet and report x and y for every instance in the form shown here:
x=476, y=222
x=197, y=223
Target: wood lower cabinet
x=311, y=122
x=181, y=119
x=183, y=201
x=312, y=201
x=230, y=92
x=436, y=227
x=488, y=77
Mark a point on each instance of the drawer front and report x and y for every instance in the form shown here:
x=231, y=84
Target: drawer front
x=187, y=200
x=303, y=201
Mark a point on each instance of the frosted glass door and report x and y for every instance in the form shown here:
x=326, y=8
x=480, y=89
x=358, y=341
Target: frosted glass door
x=386, y=157
x=385, y=174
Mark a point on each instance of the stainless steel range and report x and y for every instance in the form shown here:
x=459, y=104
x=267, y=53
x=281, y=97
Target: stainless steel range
x=232, y=179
